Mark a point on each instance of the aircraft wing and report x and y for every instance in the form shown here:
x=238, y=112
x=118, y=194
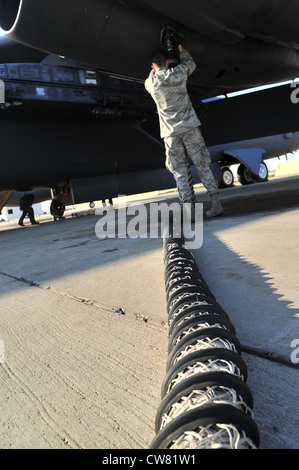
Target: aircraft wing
x=235, y=44
x=83, y=64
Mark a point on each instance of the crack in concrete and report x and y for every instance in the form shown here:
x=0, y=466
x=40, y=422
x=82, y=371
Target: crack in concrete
x=85, y=301
x=267, y=355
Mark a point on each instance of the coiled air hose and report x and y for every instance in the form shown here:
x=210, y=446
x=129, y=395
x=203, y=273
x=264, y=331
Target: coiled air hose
x=206, y=403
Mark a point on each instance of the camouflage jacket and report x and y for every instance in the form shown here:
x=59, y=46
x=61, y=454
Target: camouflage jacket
x=168, y=88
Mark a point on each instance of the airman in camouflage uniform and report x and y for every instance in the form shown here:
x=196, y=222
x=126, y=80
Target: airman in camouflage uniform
x=179, y=126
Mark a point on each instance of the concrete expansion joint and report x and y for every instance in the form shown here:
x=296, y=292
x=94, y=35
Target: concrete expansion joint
x=264, y=354
x=88, y=302
x=269, y=356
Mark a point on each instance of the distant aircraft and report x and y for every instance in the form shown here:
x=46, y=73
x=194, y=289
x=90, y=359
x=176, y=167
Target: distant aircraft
x=76, y=116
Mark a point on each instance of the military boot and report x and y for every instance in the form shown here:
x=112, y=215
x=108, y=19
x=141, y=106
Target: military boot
x=216, y=208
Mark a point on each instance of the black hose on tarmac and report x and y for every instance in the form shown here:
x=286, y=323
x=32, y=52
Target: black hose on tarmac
x=206, y=403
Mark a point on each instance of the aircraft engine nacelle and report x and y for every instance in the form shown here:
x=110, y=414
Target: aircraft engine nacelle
x=51, y=25
x=117, y=36
x=92, y=32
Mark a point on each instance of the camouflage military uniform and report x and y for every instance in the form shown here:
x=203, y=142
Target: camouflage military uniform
x=179, y=126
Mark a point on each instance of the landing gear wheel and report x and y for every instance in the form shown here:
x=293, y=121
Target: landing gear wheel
x=263, y=173
x=227, y=180
x=245, y=176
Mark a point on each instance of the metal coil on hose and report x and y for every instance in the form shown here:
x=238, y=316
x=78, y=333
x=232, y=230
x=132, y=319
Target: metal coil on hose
x=206, y=403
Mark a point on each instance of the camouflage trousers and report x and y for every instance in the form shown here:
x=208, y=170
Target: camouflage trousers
x=183, y=149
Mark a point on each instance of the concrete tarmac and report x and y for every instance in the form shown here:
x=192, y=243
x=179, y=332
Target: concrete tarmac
x=83, y=321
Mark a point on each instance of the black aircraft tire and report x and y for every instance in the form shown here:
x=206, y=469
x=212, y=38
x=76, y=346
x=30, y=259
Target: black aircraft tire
x=245, y=176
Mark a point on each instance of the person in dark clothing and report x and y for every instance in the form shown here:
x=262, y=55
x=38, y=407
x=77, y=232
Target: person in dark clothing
x=57, y=208
x=26, y=206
